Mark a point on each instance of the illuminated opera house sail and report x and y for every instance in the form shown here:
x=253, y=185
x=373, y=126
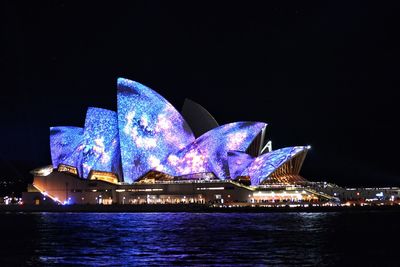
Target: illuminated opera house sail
x=147, y=139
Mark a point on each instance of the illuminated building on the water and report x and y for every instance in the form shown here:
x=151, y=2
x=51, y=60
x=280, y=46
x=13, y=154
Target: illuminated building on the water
x=146, y=152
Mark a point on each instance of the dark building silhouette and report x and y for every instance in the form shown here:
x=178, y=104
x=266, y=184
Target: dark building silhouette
x=198, y=118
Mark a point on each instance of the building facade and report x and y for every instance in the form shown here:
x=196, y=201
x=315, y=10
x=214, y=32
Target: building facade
x=145, y=152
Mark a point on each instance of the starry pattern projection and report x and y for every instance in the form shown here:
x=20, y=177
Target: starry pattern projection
x=264, y=165
x=100, y=147
x=209, y=152
x=64, y=141
x=148, y=133
x=238, y=161
x=150, y=129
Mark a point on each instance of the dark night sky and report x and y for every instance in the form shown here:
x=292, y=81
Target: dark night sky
x=325, y=74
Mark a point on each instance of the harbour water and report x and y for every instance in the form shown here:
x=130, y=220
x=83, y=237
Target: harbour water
x=361, y=238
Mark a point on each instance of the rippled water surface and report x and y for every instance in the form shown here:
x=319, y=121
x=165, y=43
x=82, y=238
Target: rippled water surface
x=199, y=239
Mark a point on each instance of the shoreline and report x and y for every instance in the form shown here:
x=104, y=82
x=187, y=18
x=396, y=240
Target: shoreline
x=195, y=208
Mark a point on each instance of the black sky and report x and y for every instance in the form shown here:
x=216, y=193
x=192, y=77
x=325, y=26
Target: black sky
x=325, y=74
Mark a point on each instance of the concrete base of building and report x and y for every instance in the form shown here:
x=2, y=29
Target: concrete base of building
x=66, y=189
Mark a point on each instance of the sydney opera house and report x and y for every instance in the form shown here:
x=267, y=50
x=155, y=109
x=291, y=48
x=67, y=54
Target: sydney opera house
x=148, y=152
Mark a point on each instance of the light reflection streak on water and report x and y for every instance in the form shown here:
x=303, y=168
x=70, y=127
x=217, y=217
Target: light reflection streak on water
x=188, y=239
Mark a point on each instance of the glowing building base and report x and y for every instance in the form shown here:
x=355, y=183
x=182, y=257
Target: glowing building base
x=65, y=188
